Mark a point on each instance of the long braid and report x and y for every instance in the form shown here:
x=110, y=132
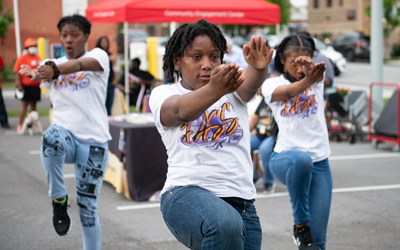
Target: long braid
x=184, y=35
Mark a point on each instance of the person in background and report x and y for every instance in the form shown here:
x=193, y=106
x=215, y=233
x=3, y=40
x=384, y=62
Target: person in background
x=263, y=141
x=30, y=88
x=208, y=198
x=104, y=43
x=234, y=54
x=79, y=134
x=329, y=79
x=139, y=82
x=154, y=83
x=3, y=111
x=300, y=157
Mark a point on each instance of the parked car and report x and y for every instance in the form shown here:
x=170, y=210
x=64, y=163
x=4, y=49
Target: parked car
x=352, y=45
x=336, y=58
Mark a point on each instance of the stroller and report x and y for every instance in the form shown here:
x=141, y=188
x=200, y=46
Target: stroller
x=351, y=115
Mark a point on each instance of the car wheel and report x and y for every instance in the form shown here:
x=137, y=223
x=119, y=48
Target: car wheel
x=349, y=55
x=336, y=69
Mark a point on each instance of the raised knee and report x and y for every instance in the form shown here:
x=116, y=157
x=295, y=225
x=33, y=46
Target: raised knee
x=303, y=161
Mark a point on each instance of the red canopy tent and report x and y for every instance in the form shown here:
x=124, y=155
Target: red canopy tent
x=214, y=11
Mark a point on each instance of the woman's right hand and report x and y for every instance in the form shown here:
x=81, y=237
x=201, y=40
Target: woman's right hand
x=313, y=72
x=226, y=78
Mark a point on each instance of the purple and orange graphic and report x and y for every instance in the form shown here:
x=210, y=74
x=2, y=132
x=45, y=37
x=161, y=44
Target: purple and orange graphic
x=72, y=81
x=213, y=129
x=301, y=105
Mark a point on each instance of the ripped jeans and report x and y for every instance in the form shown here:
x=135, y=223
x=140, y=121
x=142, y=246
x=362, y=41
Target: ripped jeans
x=91, y=160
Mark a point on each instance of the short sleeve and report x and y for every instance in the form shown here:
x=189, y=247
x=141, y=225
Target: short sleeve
x=268, y=88
x=102, y=57
x=157, y=98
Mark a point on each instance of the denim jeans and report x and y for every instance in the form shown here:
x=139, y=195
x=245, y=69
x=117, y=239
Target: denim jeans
x=264, y=147
x=91, y=160
x=201, y=220
x=310, y=189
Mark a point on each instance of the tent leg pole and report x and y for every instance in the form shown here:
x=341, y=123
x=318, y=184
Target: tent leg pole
x=126, y=68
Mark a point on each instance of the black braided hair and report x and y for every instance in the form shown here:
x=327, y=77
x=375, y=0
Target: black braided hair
x=184, y=35
x=75, y=19
x=304, y=43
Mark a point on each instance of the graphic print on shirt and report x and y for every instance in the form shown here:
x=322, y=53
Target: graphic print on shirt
x=214, y=128
x=301, y=105
x=73, y=82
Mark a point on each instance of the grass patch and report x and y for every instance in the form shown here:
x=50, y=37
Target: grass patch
x=41, y=112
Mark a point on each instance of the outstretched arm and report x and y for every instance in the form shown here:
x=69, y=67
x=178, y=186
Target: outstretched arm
x=47, y=72
x=184, y=108
x=258, y=56
x=313, y=73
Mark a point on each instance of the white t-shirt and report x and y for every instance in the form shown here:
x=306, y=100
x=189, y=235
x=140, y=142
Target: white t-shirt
x=213, y=151
x=79, y=100
x=301, y=120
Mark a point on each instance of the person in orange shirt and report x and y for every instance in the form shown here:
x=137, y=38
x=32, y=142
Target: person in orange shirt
x=30, y=88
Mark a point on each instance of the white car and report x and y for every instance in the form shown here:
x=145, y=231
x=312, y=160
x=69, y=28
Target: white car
x=337, y=59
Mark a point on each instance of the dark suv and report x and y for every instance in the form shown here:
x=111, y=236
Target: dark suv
x=352, y=45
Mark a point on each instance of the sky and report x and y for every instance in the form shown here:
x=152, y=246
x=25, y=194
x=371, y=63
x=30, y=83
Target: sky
x=299, y=3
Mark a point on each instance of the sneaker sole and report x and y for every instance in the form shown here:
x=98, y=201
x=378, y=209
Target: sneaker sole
x=69, y=229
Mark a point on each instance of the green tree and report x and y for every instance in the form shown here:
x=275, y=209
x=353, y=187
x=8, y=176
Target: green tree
x=6, y=18
x=391, y=14
x=285, y=9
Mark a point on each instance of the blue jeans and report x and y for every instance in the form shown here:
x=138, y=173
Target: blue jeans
x=91, y=160
x=200, y=220
x=265, y=149
x=310, y=189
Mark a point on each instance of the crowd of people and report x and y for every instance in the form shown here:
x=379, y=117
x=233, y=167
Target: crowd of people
x=208, y=198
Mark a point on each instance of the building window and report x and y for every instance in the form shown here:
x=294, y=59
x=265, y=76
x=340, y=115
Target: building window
x=328, y=3
x=315, y=4
x=351, y=15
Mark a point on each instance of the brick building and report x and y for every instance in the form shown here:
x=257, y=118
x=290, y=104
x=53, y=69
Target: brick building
x=334, y=17
x=39, y=18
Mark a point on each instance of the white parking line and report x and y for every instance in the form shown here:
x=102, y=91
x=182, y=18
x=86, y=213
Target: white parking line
x=363, y=156
x=69, y=175
x=261, y=196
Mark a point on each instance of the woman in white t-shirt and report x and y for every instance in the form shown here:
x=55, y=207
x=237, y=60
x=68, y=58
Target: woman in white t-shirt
x=300, y=157
x=208, y=198
x=79, y=133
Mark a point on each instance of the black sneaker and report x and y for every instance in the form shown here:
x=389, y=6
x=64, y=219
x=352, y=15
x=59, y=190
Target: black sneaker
x=61, y=220
x=303, y=239
x=269, y=188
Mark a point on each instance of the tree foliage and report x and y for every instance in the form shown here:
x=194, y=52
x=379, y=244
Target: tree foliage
x=285, y=9
x=391, y=13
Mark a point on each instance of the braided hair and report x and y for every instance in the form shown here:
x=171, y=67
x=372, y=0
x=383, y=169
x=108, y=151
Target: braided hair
x=184, y=35
x=75, y=19
x=292, y=43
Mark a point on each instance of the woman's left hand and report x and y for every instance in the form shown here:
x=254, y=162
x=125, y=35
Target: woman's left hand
x=25, y=70
x=46, y=72
x=257, y=54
